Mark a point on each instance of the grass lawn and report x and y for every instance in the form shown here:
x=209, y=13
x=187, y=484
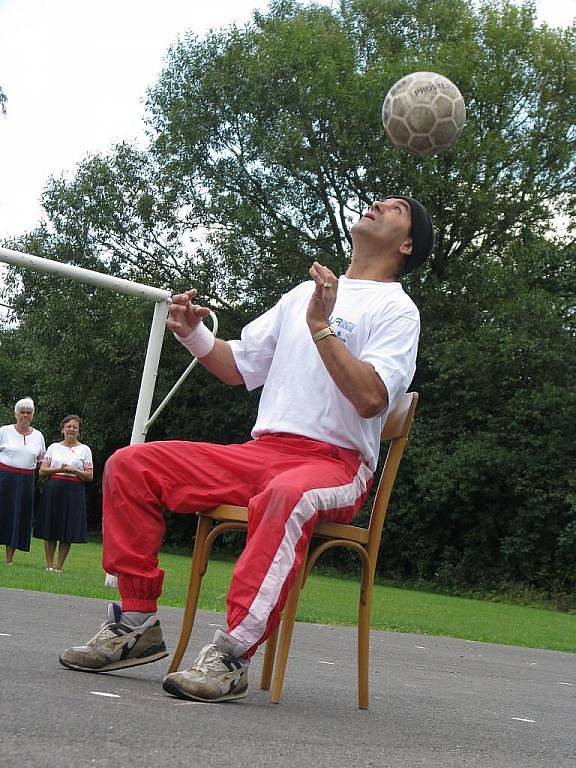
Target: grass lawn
x=325, y=600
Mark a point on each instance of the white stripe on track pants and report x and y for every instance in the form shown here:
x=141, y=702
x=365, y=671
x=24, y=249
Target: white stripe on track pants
x=287, y=482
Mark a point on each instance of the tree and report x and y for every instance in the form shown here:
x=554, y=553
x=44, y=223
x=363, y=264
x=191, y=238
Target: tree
x=265, y=144
x=274, y=128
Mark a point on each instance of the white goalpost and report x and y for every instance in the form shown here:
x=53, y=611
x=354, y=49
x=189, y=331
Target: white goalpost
x=161, y=298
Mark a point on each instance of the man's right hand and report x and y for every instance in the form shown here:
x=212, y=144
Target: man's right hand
x=184, y=315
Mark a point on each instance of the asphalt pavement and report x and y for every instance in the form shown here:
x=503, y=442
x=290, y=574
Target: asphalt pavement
x=435, y=702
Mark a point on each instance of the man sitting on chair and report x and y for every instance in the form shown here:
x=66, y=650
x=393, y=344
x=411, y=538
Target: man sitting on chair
x=332, y=356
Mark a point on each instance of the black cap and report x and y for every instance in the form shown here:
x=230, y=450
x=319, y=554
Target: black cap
x=422, y=233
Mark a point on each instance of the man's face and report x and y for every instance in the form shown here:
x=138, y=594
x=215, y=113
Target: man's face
x=387, y=222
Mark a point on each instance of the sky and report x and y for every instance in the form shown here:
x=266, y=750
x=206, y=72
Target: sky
x=75, y=73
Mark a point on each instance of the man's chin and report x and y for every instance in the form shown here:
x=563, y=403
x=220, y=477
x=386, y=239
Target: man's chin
x=362, y=226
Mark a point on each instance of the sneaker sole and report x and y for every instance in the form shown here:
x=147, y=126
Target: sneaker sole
x=125, y=664
x=171, y=688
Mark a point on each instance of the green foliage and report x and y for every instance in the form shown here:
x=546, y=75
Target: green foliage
x=265, y=144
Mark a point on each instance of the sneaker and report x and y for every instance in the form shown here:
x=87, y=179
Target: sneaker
x=117, y=645
x=215, y=676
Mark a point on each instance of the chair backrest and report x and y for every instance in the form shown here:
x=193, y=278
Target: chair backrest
x=396, y=430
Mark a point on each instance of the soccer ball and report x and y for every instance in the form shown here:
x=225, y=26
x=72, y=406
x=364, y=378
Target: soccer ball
x=423, y=113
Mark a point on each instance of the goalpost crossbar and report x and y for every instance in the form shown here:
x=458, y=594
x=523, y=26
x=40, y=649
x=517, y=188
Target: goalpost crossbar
x=161, y=299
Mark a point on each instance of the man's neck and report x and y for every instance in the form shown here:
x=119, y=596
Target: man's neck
x=359, y=270
x=370, y=269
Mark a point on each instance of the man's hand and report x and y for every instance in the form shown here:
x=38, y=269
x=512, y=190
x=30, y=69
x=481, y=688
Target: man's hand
x=321, y=304
x=184, y=315
x=357, y=380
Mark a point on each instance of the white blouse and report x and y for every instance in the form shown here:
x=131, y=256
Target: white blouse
x=21, y=451
x=79, y=457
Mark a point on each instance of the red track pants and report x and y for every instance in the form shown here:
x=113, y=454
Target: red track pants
x=288, y=484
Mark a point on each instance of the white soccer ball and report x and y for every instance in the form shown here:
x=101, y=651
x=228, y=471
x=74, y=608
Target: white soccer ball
x=423, y=113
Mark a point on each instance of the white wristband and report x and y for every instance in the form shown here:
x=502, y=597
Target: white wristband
x=199, y=342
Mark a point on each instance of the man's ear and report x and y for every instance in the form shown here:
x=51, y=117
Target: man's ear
x=406, y=247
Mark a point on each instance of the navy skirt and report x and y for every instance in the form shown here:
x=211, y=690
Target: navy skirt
x=16, y=507
x=62, y=512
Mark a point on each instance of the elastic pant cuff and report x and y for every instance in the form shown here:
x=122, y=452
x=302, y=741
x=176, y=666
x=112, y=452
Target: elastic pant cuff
x=141, y=605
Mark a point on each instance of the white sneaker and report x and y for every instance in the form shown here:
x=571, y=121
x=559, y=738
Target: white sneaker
x=215, y=676
x=117, y=645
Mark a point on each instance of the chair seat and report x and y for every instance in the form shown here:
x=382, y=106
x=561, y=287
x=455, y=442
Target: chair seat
x=231, y=513
x=228, y=512
x=342, y=531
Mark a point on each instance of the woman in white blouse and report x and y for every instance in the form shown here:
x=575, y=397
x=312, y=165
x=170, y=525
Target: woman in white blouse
x=21, y=448
x=62, y=520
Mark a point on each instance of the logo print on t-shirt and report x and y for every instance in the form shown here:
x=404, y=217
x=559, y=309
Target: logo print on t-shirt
x=341, y=327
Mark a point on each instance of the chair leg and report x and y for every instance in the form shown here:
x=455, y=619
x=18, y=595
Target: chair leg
x=364, y=611
x=197, y=570
x=287, y=628
x=268, y=664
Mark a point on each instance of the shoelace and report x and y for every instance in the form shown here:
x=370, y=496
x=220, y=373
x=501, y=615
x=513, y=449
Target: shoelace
x=208, y=660
x=104, y=633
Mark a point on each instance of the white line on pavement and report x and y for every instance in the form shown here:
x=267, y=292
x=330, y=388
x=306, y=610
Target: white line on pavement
x=101, y=693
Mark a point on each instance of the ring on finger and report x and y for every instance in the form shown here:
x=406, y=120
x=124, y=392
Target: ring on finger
x=327, y=285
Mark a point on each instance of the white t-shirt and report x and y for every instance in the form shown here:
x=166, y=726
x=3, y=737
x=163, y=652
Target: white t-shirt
x=379, y=324
x=21, y=451
x=80, y=457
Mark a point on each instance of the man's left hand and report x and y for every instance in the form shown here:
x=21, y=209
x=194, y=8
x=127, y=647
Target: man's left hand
x=322, y=301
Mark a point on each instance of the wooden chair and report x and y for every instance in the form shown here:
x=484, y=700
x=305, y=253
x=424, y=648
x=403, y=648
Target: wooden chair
x=364, y=541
